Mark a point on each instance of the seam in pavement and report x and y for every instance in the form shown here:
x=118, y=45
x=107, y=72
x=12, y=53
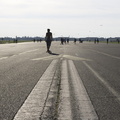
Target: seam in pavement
x=65, y=104
x=56, y=104
x=47, y=97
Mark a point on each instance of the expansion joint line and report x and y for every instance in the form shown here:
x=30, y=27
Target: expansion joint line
x=48, y=94
x=58, y=91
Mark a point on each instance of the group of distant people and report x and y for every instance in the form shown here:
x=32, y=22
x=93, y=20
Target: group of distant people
x=49, y=38
x=38, y=40
x=80, y=40
x=96, y=40
x=107, y=40
x=64, y=40
x=116, y=40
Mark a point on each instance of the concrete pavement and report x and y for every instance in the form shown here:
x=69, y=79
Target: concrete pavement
x=97, y=66
x=51, y=98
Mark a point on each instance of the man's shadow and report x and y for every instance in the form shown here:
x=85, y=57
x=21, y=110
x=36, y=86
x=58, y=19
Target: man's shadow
x=51, y=53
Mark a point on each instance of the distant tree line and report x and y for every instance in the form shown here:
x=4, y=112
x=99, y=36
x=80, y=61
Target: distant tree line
x=39, y=39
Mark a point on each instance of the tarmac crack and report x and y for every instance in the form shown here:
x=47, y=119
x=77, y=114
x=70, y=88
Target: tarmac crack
x=50, y=112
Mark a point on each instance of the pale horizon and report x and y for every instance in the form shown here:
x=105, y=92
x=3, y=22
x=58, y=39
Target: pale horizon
x=69, y=18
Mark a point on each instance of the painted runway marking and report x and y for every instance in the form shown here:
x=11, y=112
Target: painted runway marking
x=65, y=105
x=2, y=58
x=76, y=54
x=75, y=58
x=34, y=105
x=28, y=51
x=105, y=83
x=106, y=54
x=47, y=58
x=86, y=109
x=63, y=56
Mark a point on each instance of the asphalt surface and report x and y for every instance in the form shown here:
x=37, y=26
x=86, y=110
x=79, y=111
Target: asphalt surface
x=98, y=65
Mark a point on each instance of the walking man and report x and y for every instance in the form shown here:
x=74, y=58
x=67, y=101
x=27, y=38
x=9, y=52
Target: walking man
x=48, y=39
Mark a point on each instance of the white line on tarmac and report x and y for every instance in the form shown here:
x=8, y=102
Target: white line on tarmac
x=62, y=56
x=65, y=106
x=107, y=54
x=86, y=110
x=46, y=58
x=28, y=51
x=76, y=54
x=2, y=58
x=35, y=102
x=105, y=83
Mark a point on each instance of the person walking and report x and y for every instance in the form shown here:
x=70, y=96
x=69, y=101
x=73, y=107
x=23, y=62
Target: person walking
x=75, y=40
x=107, y=40
x=48, y=39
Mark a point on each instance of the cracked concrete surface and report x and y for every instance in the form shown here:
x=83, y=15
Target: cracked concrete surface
x=51, y=98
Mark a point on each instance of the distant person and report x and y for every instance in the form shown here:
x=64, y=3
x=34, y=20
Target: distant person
x=75, y=40
x=34, y=40
x=16, y=40
x=40, y=40
x=118, y=41
x=62, y=40
x=67, y=40
x=80, y=40
x=48, y=39
x=107, y=40
x=97, y=40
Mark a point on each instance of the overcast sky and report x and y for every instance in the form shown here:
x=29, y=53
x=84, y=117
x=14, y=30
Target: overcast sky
x=74, y=18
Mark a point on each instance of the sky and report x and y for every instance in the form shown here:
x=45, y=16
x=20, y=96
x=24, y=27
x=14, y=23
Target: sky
x=65, y=18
